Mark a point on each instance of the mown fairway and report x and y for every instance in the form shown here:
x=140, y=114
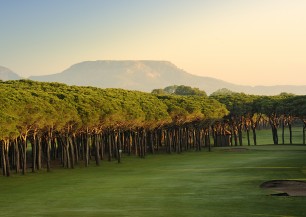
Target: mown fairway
x=264, y=136
x=224, y=182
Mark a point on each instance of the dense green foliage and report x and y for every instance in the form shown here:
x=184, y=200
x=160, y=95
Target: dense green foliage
x=69, y=124
x=73, y=123
x=181, y=90
x=250, y=112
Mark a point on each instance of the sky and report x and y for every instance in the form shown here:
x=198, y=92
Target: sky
x=249, y=42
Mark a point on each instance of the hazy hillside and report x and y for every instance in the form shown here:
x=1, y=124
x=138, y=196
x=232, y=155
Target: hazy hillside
x=7, y=74
x=148, y=75
x=136, y=75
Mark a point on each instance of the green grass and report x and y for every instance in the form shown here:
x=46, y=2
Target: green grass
x=265, y=136
x=220, y=183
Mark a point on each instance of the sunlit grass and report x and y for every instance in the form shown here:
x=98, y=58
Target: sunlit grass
x=265, y=136
x=223, y=182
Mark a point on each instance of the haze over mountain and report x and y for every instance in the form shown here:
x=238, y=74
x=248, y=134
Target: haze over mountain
x=7, y=74
x=146, y=75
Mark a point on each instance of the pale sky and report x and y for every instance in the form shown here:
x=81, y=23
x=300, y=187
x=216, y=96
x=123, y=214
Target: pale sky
x=251, y=42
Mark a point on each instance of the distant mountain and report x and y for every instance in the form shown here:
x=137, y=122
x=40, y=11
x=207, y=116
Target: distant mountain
x=7, y=74
x=148, y=75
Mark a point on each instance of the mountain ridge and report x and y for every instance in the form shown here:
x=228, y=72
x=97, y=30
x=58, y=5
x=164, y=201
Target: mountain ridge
x=145, y=75
x=7, y=74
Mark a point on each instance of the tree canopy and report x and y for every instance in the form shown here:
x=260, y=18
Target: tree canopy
x=58, y=118
x=72, y=123
x=181, y=90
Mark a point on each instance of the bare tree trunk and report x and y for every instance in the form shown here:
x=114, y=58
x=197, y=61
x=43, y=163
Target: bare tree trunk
x=72, y=153
x=274, y=122
x=39, y=153
x=290, y=133
x=34, y=149
x=275, y=135
x=87, y=146
x=232, y=135
x=97, y=146
x=240, y=134
x=169, y=136
x=4, y=168
x=17, y=156
x=48, y=153
x=8, y=167
x=109, y=146
x=235, y=136
x=24, y=154
x=102, y=147
x=208, y=140
x=283, y=131
x=119, y=150
x=254, y=135
x=76, y=148
x=304, y=129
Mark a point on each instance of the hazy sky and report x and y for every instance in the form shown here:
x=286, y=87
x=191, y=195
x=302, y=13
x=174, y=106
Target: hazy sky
x=241, y=41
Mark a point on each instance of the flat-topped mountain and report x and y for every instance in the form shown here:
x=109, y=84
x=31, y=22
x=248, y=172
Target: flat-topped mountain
x=134, y=75
x=7, y=74
x=146, y=75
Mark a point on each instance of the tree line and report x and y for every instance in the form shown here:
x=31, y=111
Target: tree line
x=43, y=124
x=249, y=112
x=49, y=124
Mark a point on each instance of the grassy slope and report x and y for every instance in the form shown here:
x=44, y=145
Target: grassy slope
x=220, y=183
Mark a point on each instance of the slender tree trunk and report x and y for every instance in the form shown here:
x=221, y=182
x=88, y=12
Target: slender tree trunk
x=275, y=135
x=236, y=137
x=109, y=146
x=135, y=142
x=232, y=135
x=240, y=134
x=97, y=146
x=48, y=153
x=222, y=137
x=254, y=135
x=57, y=148
x=8, y=167
x=76, y=148
x=152, y=141
x=34, y=149
x=21, y=149
x=194, y=138
x=39, y=153
x=87, y=146
x=187, y=135
x=144, y=144
x=248, y=135
x=199, y=140
x=304, y=136
x=283, y=131
x=24, y=153
x=4, y=168
x=72, y=153
x=208, y=140
x=290, y=133
x=119, y=150
x=273, y=120
x=140, y=143
x=67, y=150
x=102, y=147
x=17, y=156
x=82, y=142
x=169, y=136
